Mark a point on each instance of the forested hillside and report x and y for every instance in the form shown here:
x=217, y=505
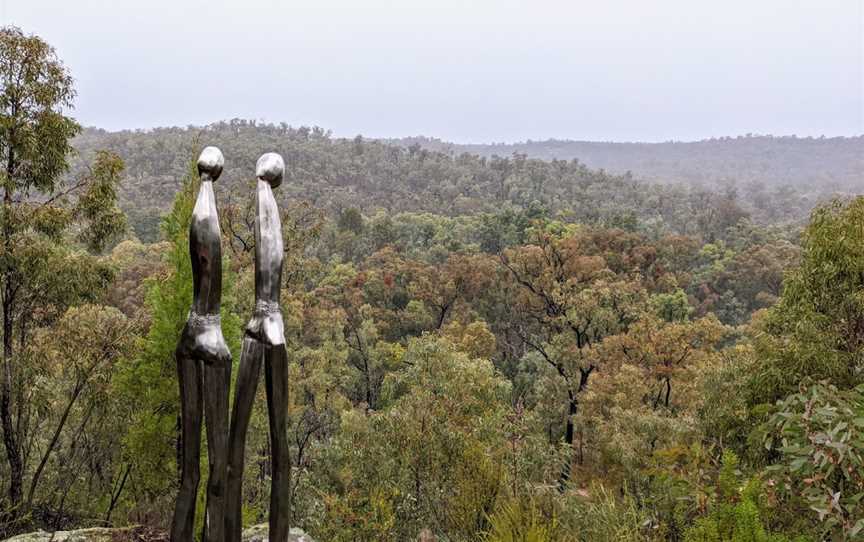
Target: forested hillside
x=335, y=174
x=819, y=164
x=495, y=349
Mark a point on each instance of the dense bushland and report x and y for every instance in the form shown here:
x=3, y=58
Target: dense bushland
x=481, y=348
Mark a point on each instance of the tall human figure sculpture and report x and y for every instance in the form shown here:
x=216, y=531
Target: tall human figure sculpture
x=204, y=367
x=264, y=341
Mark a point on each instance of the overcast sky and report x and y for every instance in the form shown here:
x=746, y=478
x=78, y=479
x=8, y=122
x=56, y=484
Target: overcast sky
x=465, y=71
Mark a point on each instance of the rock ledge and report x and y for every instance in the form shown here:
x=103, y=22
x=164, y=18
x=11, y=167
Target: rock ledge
x=256, y=533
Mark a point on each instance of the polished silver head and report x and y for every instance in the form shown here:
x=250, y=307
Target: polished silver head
x=210, y=163
x=270, y=168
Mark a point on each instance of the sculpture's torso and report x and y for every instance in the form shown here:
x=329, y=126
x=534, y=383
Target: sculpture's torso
x=266, y=323
x=268, y=246
x=206, y=253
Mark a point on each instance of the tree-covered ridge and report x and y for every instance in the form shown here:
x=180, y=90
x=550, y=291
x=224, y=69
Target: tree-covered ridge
x=335, y=174
x=812, y=163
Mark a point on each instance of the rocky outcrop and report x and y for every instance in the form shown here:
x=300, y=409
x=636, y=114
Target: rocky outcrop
x=257, y=533
x=97, y=534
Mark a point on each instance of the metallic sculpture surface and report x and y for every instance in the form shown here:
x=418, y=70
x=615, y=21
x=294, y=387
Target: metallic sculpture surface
x=264, y=340
x=204, y=367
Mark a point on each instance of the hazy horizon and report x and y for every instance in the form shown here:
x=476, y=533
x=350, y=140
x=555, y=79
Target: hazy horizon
x=478, y=143
x=468, y=72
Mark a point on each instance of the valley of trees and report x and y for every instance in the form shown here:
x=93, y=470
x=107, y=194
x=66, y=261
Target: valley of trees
x=482, y=348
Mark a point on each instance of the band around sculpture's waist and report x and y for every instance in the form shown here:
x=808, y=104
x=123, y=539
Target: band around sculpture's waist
x=196, y=319
x=263, y=307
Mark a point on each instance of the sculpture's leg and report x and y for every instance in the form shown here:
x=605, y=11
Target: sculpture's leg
x=189, y=376
x=217, y=387
x=276, y=371
x=244, y=398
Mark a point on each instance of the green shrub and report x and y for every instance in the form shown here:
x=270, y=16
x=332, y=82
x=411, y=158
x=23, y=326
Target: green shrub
x=735, y=516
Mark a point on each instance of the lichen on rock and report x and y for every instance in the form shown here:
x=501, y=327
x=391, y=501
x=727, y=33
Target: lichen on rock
x=96, y=534
x=256, y=533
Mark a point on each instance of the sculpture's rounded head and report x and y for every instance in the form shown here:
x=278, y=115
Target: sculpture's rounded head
x=210, y=163
x=270, y=168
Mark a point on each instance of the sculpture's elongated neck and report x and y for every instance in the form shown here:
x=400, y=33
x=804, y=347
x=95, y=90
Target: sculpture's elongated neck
x=268, y=245
x=205, y=249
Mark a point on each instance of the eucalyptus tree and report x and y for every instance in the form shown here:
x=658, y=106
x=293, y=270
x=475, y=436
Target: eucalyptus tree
x=816, y=329
x=45, y=219
x=566, y=300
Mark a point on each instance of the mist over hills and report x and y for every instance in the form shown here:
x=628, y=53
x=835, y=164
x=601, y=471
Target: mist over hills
x=834, y=163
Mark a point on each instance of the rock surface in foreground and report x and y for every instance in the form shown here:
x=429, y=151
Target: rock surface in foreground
x=257, y=533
